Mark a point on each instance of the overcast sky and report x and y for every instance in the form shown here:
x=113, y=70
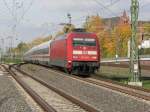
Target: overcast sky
x=42, y=17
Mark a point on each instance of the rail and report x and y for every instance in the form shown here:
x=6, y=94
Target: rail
x=134, y=91
x=63, y=94
x=44, y=105
x=123, y=59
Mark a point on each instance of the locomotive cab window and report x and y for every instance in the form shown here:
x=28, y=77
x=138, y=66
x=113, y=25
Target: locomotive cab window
x=84, y=42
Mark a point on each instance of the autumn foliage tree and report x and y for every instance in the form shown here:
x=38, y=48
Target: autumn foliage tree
x=147, y=27
x=122, y=35
x=66, y=29
x=95, y=24
x=112, y=40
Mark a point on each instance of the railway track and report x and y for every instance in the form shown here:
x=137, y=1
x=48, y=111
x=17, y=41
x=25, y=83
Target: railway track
x=39, y=100
x=134, y=91
x=44, y=105
x=129, y=90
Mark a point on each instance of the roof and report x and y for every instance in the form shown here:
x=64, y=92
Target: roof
x=41, y=46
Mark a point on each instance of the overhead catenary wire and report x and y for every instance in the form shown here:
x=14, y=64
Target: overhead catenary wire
x=141, y=7
x=113, y=13
x=14, y=8
x=105, y=7
x=113, y=3
x=26, y=10
x=17, y=11
x=83, y=18
x=9, y=9
x=96, y=12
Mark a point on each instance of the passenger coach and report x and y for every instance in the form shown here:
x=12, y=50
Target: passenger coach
x=77, y=52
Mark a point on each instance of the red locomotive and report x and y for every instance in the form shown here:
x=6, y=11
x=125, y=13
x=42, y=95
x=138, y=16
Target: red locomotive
x=77, y=52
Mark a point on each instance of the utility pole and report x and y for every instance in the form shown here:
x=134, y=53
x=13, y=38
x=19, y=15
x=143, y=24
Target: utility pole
x=134, y=58
x=68, y=25
x=0, y=54
x=2, y=50
x=87, y=20
x=69, y=17
x=86, y=23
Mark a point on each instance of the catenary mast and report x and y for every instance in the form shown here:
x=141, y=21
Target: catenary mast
x=134, y=56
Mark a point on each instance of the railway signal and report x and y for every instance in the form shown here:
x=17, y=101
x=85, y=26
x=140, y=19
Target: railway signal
x=134, y=56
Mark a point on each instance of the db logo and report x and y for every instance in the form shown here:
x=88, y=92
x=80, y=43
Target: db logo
x=84, y=52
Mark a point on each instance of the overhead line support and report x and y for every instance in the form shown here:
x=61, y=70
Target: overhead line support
x=134, y=56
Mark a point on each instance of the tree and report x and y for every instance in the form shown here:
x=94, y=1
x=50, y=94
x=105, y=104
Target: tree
x=107, y=42
x=20, y=49
x=123, y=34
x=147, y=30
x=95, y=24
x=66, y=29
x=147, y=27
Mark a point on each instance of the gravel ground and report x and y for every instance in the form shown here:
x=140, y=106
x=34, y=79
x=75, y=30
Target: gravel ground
x=103, y=99
x=55, y=100
x=11, y=98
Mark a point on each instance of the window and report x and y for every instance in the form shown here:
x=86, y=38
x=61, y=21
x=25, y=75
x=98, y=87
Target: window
x=60, y=37
x=84, y=42
x=45, y=51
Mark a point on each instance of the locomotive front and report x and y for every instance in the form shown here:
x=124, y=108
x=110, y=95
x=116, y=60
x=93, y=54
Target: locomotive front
x=85, y=53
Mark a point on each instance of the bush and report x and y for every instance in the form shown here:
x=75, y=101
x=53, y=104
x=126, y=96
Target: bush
x=144, y=51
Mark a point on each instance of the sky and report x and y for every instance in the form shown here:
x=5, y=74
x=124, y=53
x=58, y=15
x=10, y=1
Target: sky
x=37, y=18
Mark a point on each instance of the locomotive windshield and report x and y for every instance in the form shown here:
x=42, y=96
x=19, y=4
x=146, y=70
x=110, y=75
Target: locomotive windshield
x=84, y=42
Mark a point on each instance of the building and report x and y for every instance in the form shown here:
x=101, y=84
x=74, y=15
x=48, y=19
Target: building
x=124, y=19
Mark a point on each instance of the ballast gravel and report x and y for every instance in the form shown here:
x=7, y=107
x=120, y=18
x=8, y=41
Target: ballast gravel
x=55, y=100
x=11, y=100
x=103, y=99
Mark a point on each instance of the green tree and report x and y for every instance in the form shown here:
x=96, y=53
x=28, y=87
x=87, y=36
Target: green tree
x=21, y=48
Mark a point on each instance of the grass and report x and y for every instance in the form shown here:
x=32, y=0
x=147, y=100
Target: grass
x=11, y=60
x=146, y=84
x=122, y=75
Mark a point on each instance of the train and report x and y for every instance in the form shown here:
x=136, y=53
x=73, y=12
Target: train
x=77, y=52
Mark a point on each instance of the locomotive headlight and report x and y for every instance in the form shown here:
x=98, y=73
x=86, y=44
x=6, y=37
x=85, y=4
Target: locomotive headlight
x=94, y=57
x=92, y=52
x=69, y=61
